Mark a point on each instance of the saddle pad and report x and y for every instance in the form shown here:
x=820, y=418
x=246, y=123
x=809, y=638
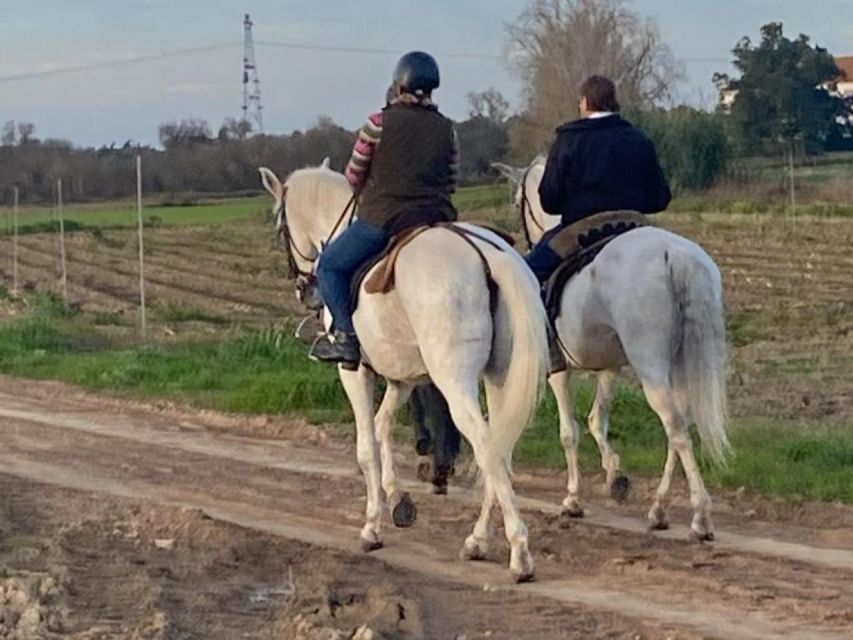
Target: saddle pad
x=384, y=262
x=382, y=279
x=589, y=231
x=573, y=265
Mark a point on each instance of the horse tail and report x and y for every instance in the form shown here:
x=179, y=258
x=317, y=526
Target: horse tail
x=700, y=353
x=516, y=370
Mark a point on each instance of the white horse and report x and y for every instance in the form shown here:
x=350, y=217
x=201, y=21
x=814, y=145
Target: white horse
x=651, y=300
x=438, y=322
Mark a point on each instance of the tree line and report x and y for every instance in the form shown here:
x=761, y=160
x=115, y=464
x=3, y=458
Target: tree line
x=783, y=102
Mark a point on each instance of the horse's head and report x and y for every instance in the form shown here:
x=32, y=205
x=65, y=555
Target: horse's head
x=309, y=209
x=300, y=262
x=525, y=184
x=514, y=175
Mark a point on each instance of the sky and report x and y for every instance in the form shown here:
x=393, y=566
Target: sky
x=128, y=102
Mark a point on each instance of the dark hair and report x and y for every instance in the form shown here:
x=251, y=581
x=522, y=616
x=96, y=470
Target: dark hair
x=600, y=94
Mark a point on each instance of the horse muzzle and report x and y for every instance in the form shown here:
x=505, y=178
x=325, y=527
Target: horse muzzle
x=307, y=292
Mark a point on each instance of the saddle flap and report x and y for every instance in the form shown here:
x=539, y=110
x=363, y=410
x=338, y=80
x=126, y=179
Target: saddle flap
x=382, y=278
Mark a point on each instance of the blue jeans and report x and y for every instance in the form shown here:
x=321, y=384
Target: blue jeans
x=338, y=264
x=542, y=259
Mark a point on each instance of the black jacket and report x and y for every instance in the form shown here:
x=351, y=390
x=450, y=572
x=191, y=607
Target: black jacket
x=412, y=174
x=602, y=164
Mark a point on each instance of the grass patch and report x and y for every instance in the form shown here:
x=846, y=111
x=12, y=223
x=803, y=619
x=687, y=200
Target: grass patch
x=268, y=372
x=745, y=327
x=488, y=196
x=110, y=319
x=119, y=215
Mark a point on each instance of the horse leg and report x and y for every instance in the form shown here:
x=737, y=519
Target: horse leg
x=663, y=401
x=403, y=510
x=569, y=436
x=423, y=438
x=446, y=437
x=359, y=386
x=599, y=424
x=657, y=514
x=477, y=544
x=465, y=409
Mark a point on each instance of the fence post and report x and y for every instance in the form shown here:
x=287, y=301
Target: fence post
x=60, y=213
x=791, y=172
x=141, y=247
x=15, y=288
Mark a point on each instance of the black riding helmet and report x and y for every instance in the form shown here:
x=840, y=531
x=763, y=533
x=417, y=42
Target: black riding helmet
x=417, y=73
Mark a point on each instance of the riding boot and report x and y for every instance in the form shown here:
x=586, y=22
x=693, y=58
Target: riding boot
x=558, y=358
x=338, y=347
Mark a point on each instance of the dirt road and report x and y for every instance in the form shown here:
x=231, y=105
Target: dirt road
x=124, y=521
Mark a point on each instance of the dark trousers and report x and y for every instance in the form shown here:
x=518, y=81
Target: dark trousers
x=434, y=427
x=339, y=262
x=542, y=259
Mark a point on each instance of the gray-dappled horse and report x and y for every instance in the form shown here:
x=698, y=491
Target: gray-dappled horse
x=651, y=300
x=440, y=322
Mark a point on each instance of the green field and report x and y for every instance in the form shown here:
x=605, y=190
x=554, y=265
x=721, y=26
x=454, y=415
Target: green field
x=119, y=215
x=267, y=372
x=116, y=216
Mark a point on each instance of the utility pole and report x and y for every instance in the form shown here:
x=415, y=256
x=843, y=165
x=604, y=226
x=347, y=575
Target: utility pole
x=252, y=108
x=139, y=227
x=62, y=240
x=15, y=243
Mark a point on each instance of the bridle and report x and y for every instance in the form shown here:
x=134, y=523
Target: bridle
x=525, y=210
x=292, y=249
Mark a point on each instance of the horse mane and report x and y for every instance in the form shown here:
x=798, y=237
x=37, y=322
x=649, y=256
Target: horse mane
x=316, y=197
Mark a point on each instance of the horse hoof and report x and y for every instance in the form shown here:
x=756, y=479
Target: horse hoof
x=405, y=512
x=439, y=489
x=472, y=552
x=575, y=512
x=424, y=471
x=620, y=487
x=707, y=536
x=524, y=576
x=658, y=525
x=371, y=545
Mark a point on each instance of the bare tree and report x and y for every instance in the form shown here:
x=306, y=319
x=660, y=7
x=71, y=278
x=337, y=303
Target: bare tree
x=26, y=132
x=489, y=104
x=555, y=44
x=233, y=129
x=185, y=133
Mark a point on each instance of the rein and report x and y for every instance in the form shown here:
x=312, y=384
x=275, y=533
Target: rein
x=525, y=210
x=292, y=248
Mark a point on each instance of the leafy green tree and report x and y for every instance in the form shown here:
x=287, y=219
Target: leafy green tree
x=781, y=95
x=692, y=144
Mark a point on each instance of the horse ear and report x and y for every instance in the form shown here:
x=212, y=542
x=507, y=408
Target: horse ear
x=513, y=174
x=327, y=162
x=271, y=183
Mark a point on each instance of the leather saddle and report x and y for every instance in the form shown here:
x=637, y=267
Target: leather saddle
x=579, y=245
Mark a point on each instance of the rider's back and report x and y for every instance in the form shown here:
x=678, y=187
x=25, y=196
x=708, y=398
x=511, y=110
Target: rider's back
x=412, y=173
x=602, y=164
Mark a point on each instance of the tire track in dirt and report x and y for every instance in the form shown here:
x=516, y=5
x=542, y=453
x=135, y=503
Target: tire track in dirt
x=710, y=620
x=300, y=460
x=258, y=475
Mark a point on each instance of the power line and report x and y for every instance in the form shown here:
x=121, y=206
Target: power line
x=32, y=75
x=369, y=50
x=115, y=63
